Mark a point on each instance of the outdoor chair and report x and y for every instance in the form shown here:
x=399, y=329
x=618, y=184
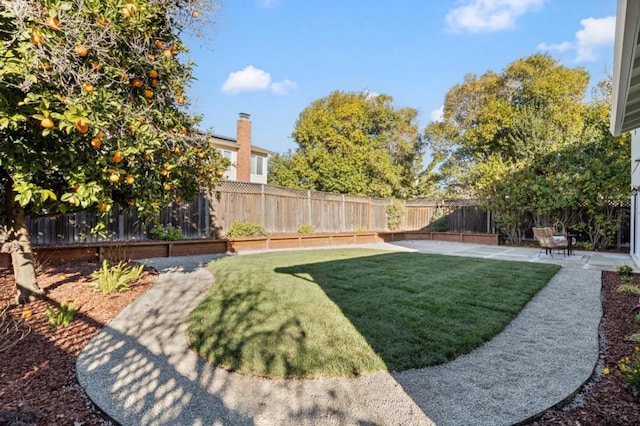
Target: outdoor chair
x=548, y=242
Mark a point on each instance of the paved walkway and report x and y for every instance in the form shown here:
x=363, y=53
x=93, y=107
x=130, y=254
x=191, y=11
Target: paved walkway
x=140, y=371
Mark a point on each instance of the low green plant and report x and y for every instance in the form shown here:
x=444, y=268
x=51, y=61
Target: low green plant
x=114, y=278
x=305, y=229
x=584, y=245
x=395, y=214
x=64, y=316
x=439, y=223
x=628, y=288
x=246, y=229
x=169, y=233
x=623, y=270
x=636, y=320
x=630, y=370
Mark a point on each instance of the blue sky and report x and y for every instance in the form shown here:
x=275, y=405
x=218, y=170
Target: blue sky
x=273, y=58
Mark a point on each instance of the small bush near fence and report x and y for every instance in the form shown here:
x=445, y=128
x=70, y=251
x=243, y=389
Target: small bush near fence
x=246, y=229
x=305, y=229
x=169, y=233
x=395, y=214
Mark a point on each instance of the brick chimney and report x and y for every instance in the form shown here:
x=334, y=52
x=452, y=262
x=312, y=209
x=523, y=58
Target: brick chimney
x=243, y=137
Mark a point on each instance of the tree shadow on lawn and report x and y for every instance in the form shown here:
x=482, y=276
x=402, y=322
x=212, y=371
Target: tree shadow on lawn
x=417, y=310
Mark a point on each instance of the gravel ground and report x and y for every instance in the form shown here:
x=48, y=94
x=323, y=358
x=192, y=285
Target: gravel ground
x=139, y=370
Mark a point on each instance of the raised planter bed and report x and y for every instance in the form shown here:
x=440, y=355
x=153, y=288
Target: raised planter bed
x=145, y=249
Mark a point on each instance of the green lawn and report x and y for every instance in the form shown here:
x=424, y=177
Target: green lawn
x=349, y=311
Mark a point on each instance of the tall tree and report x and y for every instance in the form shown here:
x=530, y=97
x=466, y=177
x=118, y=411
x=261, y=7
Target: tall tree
x=355, y=143
x=92, y=113
x=535, y=106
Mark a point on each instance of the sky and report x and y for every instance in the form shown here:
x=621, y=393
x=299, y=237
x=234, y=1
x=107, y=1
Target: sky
x=273, y=58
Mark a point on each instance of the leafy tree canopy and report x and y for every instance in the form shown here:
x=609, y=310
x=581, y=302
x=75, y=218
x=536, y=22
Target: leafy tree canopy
x=534, y=106
x=355, y=143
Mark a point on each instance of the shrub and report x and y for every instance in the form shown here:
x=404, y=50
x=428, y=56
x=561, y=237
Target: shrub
x=306, y=229
x=584, y=245
x=246, y=229
x=439, y=223
x=395, y=214
x=628, y=288
x=63, y=317
x=115, y=278
x=631, y=373
x=624, y=270
x=169, y=233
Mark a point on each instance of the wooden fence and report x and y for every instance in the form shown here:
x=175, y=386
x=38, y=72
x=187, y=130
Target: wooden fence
x=279, y=210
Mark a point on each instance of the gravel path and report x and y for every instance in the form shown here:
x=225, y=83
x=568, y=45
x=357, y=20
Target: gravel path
x=139, y=370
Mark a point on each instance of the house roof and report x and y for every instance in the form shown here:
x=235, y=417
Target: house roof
x=232, y=143
x=625, y=110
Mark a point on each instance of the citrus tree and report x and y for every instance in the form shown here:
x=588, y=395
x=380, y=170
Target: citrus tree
x=93, y=114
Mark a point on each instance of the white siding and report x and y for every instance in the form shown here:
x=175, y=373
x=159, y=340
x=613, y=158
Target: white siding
x=230, y=173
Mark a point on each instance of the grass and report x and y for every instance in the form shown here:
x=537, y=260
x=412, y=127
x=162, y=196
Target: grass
x=349, y=311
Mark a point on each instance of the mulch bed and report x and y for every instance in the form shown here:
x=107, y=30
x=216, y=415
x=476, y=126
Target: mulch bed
x=37, y=374
x=38, y=383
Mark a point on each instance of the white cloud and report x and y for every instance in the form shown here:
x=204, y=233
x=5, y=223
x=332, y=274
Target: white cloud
x=437, y=114
x=561, y=47
x=595, y=32
x=252, y=79
x=489, y=15
x=283, y=87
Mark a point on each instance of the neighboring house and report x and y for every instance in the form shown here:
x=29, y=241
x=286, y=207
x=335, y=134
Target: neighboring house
x=248, y=162
x=625, y=110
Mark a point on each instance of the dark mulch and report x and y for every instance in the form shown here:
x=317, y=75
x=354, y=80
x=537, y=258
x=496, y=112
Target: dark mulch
x=37, y=375
x=38, y=383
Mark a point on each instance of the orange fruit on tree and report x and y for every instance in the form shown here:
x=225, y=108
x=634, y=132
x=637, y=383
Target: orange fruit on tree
x=96, y=143
x=87, y=87
x=132, y=202
x=154, y=82
x=103, y=21
x=103, y=207
x=167, y=187
x=129, y=179
x=153, y=74
x=117, y=157
x=167, y=53
x=148, y=93
x=129, y=10
x=136, y=82
x=82, y=126
x=47, y=123
x=164, y=172
x=114, y=177
x=37, y=38
x=53, y=23
x=100, y=134
x=158, y=43
x=81, y=50
x=180, y=100
x=46, y=65
x=195, y=14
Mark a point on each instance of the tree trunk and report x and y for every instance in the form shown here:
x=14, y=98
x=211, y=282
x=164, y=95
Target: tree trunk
x=24, y=270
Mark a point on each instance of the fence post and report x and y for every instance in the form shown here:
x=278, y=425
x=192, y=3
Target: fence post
x=343, y=225
x=369, y=215
x=309, y=215
x=262, y=206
